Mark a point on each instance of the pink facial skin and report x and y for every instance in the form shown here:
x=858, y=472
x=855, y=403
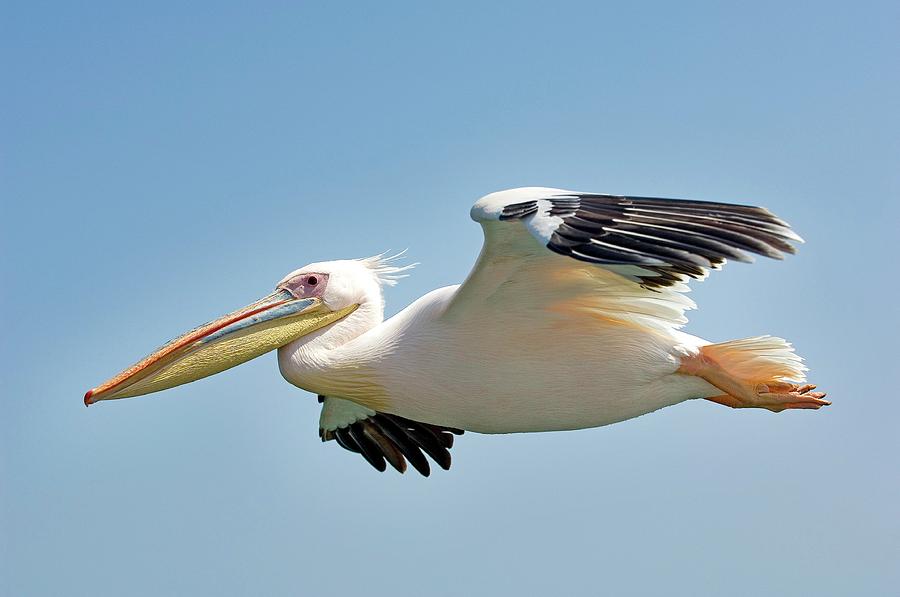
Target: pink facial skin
x=306, y=285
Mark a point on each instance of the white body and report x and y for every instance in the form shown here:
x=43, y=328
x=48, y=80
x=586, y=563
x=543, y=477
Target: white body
x=533, y=375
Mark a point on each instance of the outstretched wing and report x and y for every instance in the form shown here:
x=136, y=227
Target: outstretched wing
x=623, y=257
x=380, y=437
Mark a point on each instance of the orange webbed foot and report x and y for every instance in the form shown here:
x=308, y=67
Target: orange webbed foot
x=780, y=395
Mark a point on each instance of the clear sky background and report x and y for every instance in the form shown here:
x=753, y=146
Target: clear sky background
x=162, y=165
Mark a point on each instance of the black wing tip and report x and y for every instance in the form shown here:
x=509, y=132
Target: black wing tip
x=384, y=439
x=672, y=240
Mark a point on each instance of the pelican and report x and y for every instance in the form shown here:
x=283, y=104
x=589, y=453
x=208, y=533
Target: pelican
x=569, y=319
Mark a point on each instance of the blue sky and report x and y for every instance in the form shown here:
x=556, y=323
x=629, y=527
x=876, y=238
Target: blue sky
x=164, y=164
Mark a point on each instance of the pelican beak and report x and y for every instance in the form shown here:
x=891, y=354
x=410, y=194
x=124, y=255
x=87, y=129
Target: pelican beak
x=245, y=334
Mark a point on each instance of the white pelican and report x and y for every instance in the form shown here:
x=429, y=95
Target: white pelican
x=570, y=319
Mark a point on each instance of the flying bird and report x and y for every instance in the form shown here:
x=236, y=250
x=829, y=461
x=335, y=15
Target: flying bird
x=571, y=318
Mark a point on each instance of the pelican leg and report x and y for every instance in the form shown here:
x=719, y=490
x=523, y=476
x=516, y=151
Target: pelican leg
x=749, y=386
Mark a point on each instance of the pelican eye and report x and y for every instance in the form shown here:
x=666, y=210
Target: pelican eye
x=306, y=285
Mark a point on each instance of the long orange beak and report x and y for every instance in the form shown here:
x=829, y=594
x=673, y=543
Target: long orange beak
x=245, y=334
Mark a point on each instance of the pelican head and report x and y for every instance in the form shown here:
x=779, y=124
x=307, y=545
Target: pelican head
x=310, y=299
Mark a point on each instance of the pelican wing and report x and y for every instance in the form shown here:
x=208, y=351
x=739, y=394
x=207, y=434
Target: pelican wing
x=628, y=258
x=380, y=437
